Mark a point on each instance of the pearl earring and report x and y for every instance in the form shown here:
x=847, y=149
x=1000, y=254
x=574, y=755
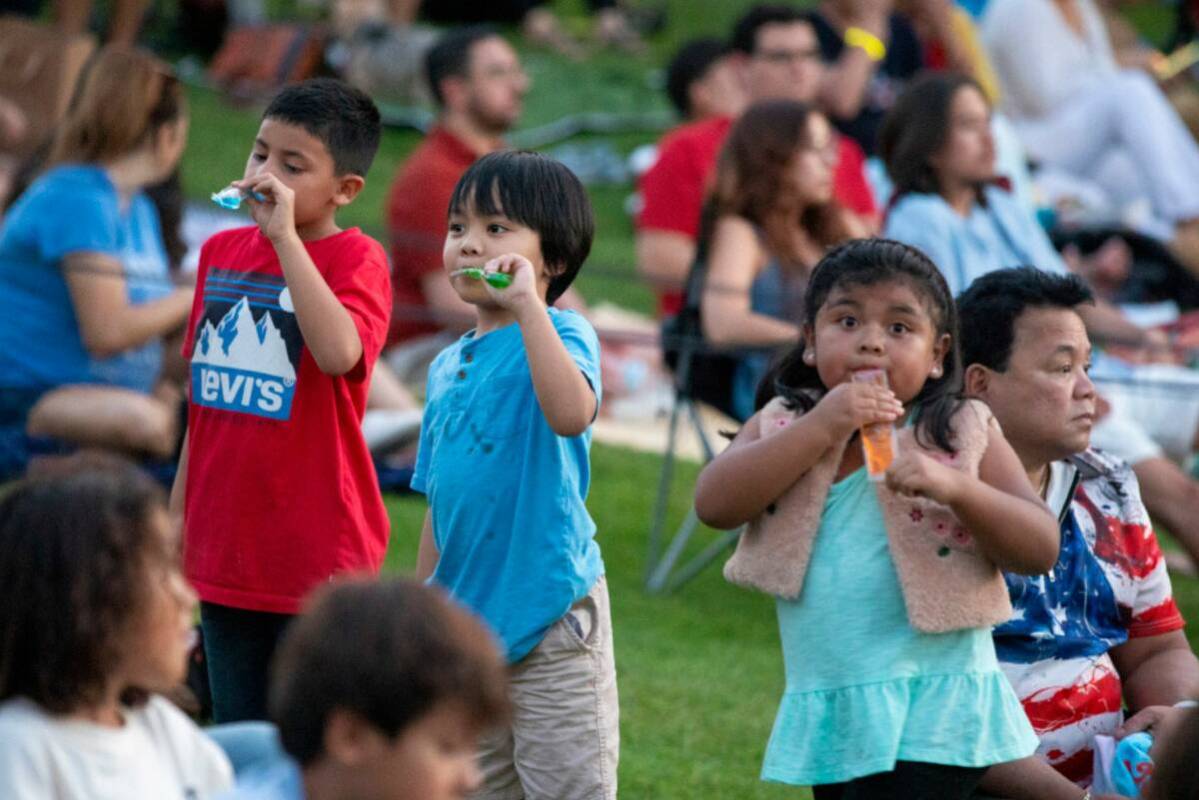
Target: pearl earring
x=935, y=372
x=809, y=357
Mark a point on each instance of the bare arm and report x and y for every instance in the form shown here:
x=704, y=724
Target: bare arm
x=1028, y=779
x=178, y=492
x=567, y=400
x=735, y=260
x=843, y=90
x=1157, y=670
x=1006, y=517
x=328, y=329
x=664, y=258
x=754, y=471
x=1109, y=325
x=108, y=323
x=426, y=553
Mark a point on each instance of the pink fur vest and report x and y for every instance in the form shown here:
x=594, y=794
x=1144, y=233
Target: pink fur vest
x=947, y=583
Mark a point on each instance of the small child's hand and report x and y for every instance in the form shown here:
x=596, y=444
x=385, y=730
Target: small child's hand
x=916, y=475
x=522, y=292
x=851, y=405
x=275, y=216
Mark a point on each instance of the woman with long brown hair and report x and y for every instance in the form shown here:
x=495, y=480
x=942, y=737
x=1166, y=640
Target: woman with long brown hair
x=83, y=271
x=769, y=218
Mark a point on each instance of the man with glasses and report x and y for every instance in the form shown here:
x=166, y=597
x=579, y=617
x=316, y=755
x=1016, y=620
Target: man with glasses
x=776, y=53
x=477, y=81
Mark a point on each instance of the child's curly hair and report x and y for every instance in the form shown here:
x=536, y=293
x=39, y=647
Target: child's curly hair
x=76, y=543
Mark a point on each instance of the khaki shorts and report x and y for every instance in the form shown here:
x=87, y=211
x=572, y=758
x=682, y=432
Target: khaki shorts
x=564, y=740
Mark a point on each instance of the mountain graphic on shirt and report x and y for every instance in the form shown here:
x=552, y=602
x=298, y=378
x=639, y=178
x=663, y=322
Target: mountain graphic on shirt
x=238, y=342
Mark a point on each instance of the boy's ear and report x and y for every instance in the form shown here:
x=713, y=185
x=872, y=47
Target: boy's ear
x=350, y=740
x=348, y=187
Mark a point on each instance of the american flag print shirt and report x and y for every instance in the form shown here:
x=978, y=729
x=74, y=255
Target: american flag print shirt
x=1109, y=585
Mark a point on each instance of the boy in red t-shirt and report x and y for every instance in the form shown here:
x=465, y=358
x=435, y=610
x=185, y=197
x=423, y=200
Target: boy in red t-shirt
x=276, y=487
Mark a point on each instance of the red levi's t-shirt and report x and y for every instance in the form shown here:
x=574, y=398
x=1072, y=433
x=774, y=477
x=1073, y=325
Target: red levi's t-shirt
x=418, y=204
x=673, y=189
x=281, y=492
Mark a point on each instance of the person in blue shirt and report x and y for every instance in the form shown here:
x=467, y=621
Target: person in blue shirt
x=84, y=279
x=503, y=459
x=379, y=691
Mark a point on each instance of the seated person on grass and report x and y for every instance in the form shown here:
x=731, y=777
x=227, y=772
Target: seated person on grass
x=380, y=691
x=1102, y=629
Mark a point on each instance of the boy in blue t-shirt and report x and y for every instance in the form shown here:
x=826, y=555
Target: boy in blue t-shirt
x=503, y=460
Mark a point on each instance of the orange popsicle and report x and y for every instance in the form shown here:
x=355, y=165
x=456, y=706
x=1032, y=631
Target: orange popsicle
x=878, y=440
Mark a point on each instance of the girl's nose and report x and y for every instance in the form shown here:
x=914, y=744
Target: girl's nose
x=871, y=340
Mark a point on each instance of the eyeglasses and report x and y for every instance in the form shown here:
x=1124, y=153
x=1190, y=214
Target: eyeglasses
x=781, y=57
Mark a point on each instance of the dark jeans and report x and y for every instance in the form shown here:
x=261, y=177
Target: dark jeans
x=238, y=645
x=910, y=780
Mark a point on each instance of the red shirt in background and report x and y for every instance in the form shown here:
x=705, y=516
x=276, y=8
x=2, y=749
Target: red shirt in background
x=281, y=493
x=673, y=189
x=417, y=206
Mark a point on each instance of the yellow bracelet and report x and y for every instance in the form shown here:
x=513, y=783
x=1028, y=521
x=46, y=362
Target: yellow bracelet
x=870, y=44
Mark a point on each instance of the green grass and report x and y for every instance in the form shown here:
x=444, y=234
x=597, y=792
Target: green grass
x=699, y=671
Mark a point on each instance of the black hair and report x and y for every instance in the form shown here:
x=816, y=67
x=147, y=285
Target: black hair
x=990, y=306
x=76, y=544
x=868, y=262
x=916, y=128
x=344, y=118
x=689, y=65
x=387, y=651
x=449, y=57
x=540, y=193
x=745, y=30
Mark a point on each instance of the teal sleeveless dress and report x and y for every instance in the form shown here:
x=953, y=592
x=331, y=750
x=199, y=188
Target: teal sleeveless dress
x=864, y=689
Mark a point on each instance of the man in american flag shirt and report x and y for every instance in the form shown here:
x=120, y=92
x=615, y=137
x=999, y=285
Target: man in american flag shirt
x=1100, y=631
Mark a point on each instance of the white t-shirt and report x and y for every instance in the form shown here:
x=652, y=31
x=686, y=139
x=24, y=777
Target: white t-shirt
x=159, y=754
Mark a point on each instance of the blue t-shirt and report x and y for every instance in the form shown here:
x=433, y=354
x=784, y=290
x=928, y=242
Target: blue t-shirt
x=996, y=235
x=73, y=209
x=507, y=494
x=280, y=780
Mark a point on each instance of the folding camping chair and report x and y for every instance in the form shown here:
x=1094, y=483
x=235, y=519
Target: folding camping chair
x=700, y=374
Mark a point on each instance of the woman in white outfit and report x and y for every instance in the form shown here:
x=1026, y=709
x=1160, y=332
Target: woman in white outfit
x=1077, y=111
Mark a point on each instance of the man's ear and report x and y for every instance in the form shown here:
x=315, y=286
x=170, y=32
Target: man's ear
x=350, y=740
x=977, y=381
x=348, y=187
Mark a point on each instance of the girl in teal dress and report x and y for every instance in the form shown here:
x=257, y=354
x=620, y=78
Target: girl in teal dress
x=875, y=707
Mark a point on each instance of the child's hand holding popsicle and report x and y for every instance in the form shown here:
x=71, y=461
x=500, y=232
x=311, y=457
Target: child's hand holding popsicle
x=854, y=405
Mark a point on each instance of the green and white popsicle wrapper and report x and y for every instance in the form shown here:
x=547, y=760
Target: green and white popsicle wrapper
x=500, y=280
